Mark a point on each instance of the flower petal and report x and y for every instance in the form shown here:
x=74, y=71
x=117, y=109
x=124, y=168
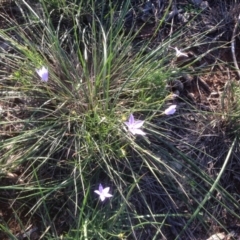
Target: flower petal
x=102, y=197
x=137, y=131
x=108, y=195
x=45, y=77
x=138, y=124
x=127, y=123
x=100, y=188
x=43, y=73
x=170, y=110
x=179, y=53
x=131, y=119
x=105, y=190
x=96, y=191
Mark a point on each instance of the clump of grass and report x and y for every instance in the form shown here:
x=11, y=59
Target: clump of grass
x=69, y=135
x=65, y=136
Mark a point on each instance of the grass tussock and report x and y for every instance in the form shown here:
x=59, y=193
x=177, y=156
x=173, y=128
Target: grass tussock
x=62, y=137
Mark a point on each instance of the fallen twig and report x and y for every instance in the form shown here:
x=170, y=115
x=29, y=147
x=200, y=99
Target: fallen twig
x=233, y=46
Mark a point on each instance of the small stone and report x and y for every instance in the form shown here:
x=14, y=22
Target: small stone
x=217, y=236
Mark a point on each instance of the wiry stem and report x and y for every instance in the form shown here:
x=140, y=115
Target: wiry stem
x=233, y=46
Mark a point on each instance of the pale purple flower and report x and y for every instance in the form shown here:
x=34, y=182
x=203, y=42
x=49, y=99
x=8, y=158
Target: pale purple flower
x=134, y=126
x=103, y=192
x=170, y=110
x=43, y=73
x=179, y=53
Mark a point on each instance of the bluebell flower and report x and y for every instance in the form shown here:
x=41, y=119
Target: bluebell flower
x=103, y=192
x=135, y=125
x=43, y=73
x=170, y=110
x=180, y=53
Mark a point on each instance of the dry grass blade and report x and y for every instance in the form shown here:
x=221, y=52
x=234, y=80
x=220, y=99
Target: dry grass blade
x=233, y=42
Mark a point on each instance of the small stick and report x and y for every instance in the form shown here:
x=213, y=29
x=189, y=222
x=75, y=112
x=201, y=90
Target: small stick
x=233, y=46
